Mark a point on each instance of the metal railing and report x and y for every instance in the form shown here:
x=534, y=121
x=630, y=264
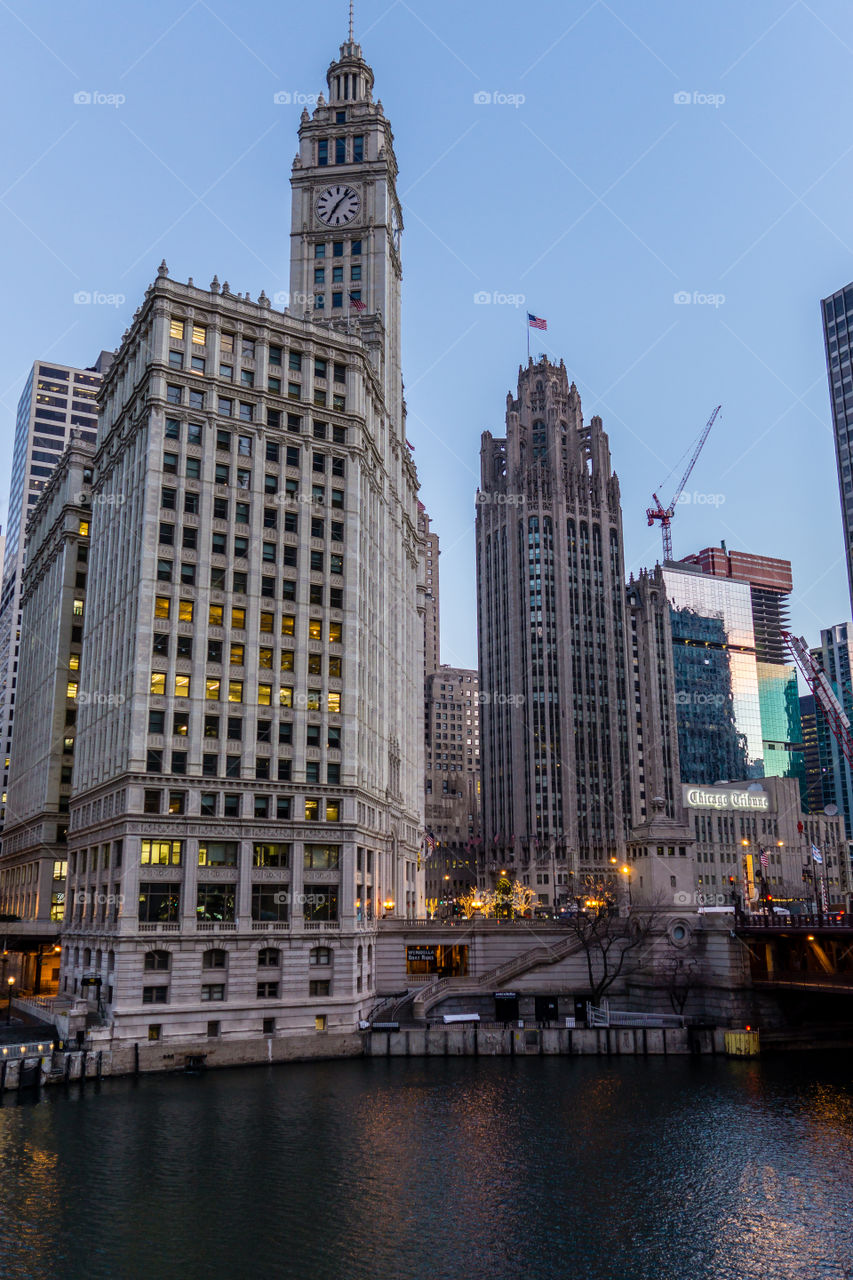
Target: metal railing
x=821, y=920
x=603, y=1016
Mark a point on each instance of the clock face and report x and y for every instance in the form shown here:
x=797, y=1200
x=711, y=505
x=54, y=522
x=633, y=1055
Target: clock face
x=338, y=205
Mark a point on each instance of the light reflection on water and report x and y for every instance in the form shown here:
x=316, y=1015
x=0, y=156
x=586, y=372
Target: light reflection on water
x=438, y=1169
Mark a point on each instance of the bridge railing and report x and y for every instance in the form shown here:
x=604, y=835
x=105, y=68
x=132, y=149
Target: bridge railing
x=821, y=920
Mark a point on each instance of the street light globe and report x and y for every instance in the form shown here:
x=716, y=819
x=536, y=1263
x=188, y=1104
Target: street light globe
x=10, y=981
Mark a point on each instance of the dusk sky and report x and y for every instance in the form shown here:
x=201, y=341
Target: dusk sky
x=627, y=154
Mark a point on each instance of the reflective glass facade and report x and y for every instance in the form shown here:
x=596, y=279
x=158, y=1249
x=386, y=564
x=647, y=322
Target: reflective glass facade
x=716, y=677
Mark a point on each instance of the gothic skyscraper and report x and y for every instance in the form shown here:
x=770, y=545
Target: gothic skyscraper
x=558, y=745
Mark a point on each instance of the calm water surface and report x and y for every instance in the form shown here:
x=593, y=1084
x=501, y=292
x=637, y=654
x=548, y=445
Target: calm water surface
x=448, y=1169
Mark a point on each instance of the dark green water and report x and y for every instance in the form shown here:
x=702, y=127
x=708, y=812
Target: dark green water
x=438, y=1170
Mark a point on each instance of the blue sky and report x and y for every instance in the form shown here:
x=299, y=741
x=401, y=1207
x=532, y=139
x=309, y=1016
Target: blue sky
x=599, y=198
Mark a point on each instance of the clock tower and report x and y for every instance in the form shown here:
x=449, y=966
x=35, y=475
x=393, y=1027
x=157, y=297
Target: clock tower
x=345, y=267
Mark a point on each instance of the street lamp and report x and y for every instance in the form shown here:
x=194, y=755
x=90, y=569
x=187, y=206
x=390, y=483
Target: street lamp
x=389, y=905
x=10, y=983
x=626, y=871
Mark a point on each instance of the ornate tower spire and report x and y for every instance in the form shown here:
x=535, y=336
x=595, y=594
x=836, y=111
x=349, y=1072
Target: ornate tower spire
x=351, y=7
x=350, y=79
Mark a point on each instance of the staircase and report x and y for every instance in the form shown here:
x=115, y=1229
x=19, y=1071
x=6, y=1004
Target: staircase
x=427, y=997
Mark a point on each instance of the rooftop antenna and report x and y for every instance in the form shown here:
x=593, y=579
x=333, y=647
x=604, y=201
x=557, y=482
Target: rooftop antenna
x=351, y=6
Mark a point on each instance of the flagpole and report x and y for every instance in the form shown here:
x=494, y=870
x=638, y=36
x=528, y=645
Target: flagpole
x=528, y=339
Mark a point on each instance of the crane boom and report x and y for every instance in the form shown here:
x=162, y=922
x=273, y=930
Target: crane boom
x=665, y=514
x=708, y=425
x=824, y=694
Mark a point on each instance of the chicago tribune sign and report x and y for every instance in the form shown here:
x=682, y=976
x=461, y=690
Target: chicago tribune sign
x=699, y=798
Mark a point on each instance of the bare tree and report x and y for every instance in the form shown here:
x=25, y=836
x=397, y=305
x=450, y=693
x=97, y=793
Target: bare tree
x=681, y=975
x=611, y=942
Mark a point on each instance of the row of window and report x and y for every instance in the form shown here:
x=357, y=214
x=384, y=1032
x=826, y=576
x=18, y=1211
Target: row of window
x=215, y=689
x=215, y=991
x=193, y=432
x=226, y=853
x=162, y=641
x=242, y=514
x=241, y=545
x=344, y=150
x=188, y=577
x=222, y=475
x=218, y=616
x=246, y=409
x=157, y=723
x=160, y=902
x=216, y=958
x=232, y=803
x=211, y=767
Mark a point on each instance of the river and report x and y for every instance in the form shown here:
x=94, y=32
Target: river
x=438, y=1169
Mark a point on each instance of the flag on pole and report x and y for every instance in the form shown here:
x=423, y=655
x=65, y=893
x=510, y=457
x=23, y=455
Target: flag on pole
x=357, y=303
x=410, y=445
x=763, y=859
x=817, y=855
x=536, y=322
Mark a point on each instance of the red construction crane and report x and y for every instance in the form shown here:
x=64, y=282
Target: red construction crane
x=816, y=678
x=665, y=514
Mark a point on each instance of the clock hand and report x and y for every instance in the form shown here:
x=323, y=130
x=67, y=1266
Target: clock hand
x=344, y=197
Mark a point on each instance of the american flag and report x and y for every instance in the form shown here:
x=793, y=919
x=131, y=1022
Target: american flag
x=536, y=322
x=357, y=303
x=763, y=859
x=429, y=841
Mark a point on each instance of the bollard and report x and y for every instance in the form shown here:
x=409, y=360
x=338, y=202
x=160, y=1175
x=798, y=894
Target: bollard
x=67, y=1069
x=3, y=1065
x=135, y=1058
x=100, y=1064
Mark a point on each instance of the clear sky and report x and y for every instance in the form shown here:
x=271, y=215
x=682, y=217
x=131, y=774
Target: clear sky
x=585, y=184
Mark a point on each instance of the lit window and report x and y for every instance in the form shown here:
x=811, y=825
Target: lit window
x=315, y=629
x=265, y=658
x=185, y=611
x=237, y=655
x=312, y=810
x=235, y=690
x=287, y=659
x=334, y=703
x=161, y=606
x=264, y=695
x=285, y=696
x=199, y=335
x=266, y=622
x=288, y=626
x=335, y=632
x=238, y=619
x=211, y=690
x=161, y=853
x=158, y=682
x=77, y=608
x=333, y=810
x=215, y=616
x=71, y=691
x=84, y=529
x=74, y=662
x=182, y=686
x=176, y=330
